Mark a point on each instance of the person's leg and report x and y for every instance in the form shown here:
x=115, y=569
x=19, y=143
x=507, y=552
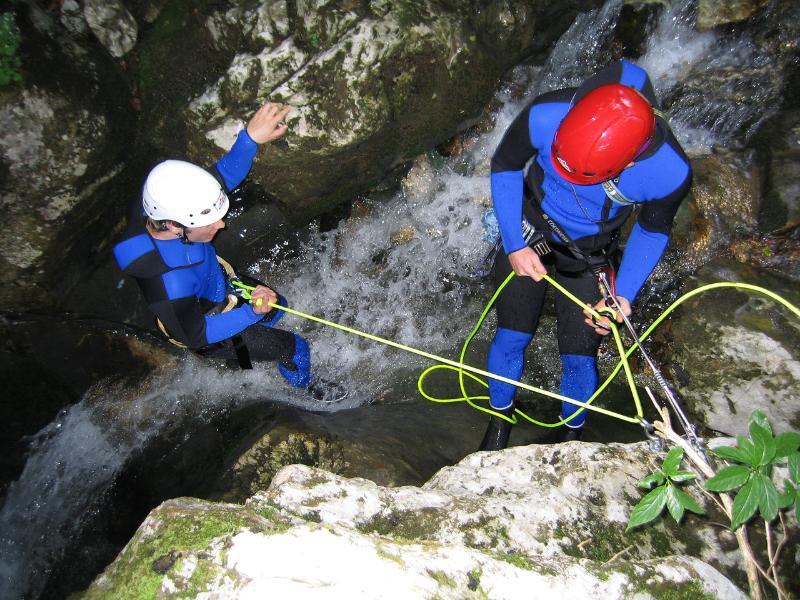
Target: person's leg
x=578, y=345
x=518, y=310
x=289, y=350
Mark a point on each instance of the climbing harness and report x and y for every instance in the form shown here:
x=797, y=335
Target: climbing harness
x=231, y=301
x=530, y=235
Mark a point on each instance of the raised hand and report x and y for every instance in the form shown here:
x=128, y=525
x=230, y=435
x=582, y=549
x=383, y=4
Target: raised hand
x=267, y=123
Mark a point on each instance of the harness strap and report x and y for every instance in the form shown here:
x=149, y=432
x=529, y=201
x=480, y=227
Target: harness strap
x=239, y=345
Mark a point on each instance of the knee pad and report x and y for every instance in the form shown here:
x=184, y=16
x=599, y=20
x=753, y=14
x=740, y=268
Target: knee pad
x=506, y=358
x=298, y=372
x=578, y=381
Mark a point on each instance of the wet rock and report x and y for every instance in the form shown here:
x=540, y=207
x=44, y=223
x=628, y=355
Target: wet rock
x=741, y=81
x=496, y=525
x=254, y=469
x=60, y=159
x=419, y=182
x=636, y=20
x=711, y=13
x=734, y=351
x=778, y=155
x=48, y=364
x=777, y=253
x=113, y=25
x=722, y=207
x=371, y=83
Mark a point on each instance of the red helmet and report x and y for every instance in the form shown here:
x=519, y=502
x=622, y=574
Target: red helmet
x=602, y=134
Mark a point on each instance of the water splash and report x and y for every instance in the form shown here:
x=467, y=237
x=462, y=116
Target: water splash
x=74, y=461
x=398, y=267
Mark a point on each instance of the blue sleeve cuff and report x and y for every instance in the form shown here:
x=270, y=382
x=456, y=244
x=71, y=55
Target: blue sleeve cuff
x=235, y=165
x=642, y=253
x=507, y=191
x=225, y=325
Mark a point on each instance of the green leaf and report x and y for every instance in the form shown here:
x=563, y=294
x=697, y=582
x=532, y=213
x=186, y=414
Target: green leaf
x=681, y=476
x=787, y=498
x=648, y=508
x=794, y=467
x=688, y=502
x=729, y=478
x=674, y=505
x=759, y=418
x=767, y=497
x=764, y=444
x=672, y=461
x=732, y=453
x=797, y=507
x=653, y=478
x=744, y=505
x=787, y=443
x=749, y=450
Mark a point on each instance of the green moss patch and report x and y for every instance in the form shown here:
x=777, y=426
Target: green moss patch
x=175, y=529
x=405, y=525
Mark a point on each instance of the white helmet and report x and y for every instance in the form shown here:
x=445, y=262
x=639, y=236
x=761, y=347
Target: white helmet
x=185, y=193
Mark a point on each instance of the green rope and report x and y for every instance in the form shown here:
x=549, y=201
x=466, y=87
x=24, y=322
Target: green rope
x=622, y=364
x=464, y=369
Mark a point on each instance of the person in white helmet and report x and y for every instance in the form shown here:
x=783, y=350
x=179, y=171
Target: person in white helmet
x=167, y=249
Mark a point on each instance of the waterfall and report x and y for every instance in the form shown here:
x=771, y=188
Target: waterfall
x=399, y=267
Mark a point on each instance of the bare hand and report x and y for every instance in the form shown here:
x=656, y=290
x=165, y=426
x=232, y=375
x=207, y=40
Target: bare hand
x=262, y=297
x=267, y=124
x=602, y=326
x=527, y=263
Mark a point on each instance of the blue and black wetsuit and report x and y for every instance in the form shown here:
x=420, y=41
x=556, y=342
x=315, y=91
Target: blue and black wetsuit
x=657, y=183
x=185, y=287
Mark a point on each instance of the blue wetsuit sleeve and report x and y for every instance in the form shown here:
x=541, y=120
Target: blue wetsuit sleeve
x=642, y=252
x=649, y=238
x=224, y=325
x=235, y=165
x=507, y=179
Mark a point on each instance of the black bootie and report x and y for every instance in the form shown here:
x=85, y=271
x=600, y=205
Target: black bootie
x=497, y=432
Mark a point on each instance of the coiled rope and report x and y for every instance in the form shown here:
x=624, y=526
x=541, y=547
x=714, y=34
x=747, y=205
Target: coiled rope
x=465, y=370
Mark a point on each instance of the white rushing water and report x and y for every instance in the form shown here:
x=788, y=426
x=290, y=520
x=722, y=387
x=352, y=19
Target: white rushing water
x=398, y=268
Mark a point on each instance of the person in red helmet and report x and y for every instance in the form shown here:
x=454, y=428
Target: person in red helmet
x=570, y=170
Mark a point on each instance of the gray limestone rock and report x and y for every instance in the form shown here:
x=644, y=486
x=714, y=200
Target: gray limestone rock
x=60, y=154
x=541, y=520
x=732, y=351
x=371, y=83
x=113, y=25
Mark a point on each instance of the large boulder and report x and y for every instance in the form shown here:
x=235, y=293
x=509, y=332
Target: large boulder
x=733, y=351
x=372, y=83
x=63, y=128
x=538, y=521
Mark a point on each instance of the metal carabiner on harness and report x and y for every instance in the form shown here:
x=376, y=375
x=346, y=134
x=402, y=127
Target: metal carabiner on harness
x=533, y=238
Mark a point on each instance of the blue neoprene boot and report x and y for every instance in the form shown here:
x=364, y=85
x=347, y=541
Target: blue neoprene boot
x=578, y=381
x=506, y=358
x=298, y=372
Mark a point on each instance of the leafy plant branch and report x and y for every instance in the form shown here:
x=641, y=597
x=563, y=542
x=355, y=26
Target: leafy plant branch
x=748, y=474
